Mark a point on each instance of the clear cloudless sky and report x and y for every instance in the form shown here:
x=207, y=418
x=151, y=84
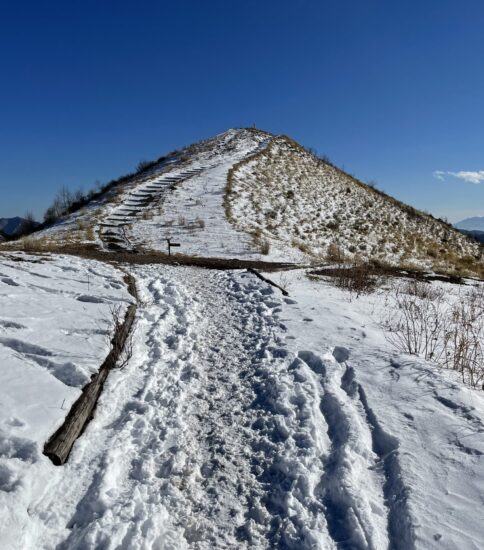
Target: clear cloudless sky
x=390, y=90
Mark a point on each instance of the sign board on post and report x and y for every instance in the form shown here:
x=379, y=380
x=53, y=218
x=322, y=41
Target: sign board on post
x=170, y=245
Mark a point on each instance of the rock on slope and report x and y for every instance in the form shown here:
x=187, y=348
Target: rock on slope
x=248, y=193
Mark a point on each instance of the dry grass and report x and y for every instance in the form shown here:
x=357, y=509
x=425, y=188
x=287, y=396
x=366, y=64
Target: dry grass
x=423, y=321
x=297, y=199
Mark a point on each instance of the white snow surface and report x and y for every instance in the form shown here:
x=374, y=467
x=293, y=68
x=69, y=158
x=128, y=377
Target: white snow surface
x=192, y=212
x=248, y=420
x=55, y=326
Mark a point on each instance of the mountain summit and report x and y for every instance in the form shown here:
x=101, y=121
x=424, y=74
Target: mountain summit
x=250, y=194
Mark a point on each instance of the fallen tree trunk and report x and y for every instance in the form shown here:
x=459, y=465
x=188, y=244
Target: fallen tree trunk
x=61, y=442
x=266, y=280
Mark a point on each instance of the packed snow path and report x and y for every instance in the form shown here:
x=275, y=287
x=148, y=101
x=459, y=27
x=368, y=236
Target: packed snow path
x=183, y=201
x=113, y=229
x=230, y=428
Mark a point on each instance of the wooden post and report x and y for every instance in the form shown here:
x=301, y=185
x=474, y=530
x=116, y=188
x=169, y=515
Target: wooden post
x=170, y=244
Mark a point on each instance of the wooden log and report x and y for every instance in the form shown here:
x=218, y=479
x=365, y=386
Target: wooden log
x=266, y=280
x=61, y=442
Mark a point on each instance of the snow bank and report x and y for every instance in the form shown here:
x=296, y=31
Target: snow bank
x=390, y=416
x=245, y=419
x=55, y=326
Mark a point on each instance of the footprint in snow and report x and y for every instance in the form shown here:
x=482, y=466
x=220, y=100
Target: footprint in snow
x=8, y=479
x=90, y=299
x=11, y=324
x=9, y=281
x=341, y=354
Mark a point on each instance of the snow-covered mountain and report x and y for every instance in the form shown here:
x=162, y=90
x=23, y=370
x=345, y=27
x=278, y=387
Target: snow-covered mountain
x=240, y=419
x=475, y=223
x=247, y=193
x=323, y=417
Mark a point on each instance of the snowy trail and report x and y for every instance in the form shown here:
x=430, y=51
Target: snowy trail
x=195, y=444
x=238, y=423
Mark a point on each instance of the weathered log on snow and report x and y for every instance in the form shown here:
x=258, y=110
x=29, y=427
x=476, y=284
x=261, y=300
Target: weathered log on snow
x=60, y=443
x=266, y=280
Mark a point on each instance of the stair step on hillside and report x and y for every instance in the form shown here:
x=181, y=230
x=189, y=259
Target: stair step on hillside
x=112, y=239
x=124, y=220
x=142, y=194
x=130, y=202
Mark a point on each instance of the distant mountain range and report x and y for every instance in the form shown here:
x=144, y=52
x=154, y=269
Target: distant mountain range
x=471, y=224
x=14, y=227
x=478, y=235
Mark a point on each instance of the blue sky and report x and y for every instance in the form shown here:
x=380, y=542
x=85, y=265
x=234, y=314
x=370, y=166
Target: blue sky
x=392, y=91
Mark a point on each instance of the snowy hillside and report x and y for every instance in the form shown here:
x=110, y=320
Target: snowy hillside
x=243, y=419
x=180, y=198
x=248, y=194
x=288, y=198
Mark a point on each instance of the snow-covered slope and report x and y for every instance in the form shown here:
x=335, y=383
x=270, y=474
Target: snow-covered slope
x=179, y=198
x=248, y=420
x=246, y=193
x=288, y=198
x=55, y=327
x=186, y=203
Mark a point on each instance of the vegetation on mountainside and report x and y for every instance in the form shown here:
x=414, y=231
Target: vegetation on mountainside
x=290, y=198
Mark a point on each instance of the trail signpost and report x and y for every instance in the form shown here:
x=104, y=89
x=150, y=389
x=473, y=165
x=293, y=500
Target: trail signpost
x=170, y=245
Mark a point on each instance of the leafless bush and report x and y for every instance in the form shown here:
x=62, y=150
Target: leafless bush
x=422, y=290
x=144, y=165
x=449, y=334
x=464, y=341
x=335, y=254
x=416, y=325
x=285, y=281
x=359, y=278
x=265, y=247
